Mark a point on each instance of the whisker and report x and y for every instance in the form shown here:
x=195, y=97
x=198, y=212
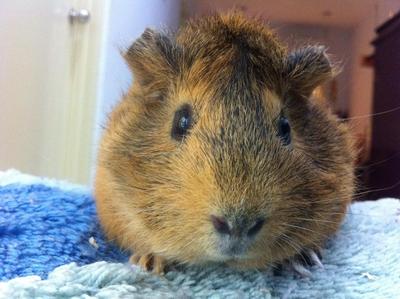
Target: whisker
x=292, y=243
x=351, y=213
x=372, y=114
x=380, y=189
x=314, y=220
x=298, y=227
x=379, y=162
x=320, y=235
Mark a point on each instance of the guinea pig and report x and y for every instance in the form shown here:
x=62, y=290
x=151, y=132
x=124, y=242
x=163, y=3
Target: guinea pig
x=218, y=154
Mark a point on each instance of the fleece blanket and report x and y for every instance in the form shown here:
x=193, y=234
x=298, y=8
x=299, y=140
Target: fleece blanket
x=51, y=246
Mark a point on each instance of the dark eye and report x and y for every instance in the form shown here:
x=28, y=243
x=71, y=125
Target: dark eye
x=182, y=122
x=284, y=130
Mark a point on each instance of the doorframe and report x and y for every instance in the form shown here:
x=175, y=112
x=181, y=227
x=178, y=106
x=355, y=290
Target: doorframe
x=75, y=143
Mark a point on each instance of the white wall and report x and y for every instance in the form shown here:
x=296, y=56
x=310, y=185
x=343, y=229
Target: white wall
x=126, y=21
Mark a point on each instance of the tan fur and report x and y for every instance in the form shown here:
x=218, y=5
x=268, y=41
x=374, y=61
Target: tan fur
x=155, y=195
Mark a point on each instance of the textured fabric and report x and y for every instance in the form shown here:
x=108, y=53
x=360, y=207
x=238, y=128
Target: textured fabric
x=45, y=224
x=44, y=227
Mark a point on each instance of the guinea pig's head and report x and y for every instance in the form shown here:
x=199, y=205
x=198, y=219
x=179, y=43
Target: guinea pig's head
x=224, y=157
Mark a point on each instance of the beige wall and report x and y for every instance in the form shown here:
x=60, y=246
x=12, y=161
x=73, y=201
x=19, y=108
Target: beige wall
x=25, y=65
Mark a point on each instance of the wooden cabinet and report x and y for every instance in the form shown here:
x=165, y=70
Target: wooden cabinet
x=384, y=169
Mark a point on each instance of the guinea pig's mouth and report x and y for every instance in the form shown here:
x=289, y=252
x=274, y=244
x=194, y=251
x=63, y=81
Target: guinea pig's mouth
x=229, y=249
x=233, y=258
x=223, y=258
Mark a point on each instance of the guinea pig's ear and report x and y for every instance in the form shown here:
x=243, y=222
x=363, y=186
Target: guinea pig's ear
x=153, y=59
x=307, y=68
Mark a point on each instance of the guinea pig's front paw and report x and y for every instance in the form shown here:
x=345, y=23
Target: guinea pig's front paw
x=301, y=262
x=149, y=262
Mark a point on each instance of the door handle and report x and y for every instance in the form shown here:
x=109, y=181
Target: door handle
x=81, y=16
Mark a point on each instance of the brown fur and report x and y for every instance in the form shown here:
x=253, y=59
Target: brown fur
x=155, y=195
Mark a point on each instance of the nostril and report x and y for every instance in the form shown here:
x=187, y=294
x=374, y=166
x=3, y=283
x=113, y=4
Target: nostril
x=220, y=224
x=256, y=227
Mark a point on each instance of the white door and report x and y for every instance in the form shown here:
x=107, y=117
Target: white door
x=48, y=82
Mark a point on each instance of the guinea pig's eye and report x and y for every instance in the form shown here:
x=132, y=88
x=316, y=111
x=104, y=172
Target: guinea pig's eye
x=182, y=122
x=284, y=130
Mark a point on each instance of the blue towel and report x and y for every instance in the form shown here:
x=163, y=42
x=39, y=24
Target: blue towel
x=44, y=227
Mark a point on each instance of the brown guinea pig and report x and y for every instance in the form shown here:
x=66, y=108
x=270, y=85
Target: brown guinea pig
x=217, y=152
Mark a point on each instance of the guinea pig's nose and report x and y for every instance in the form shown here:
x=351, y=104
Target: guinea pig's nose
x=256, y=227
x=238, y=228
x=221, y=225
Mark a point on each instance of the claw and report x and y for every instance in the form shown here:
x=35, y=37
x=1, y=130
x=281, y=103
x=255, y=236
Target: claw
x=300, y=269
x=149, y=262
x=300, y=263
x=314, y=258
